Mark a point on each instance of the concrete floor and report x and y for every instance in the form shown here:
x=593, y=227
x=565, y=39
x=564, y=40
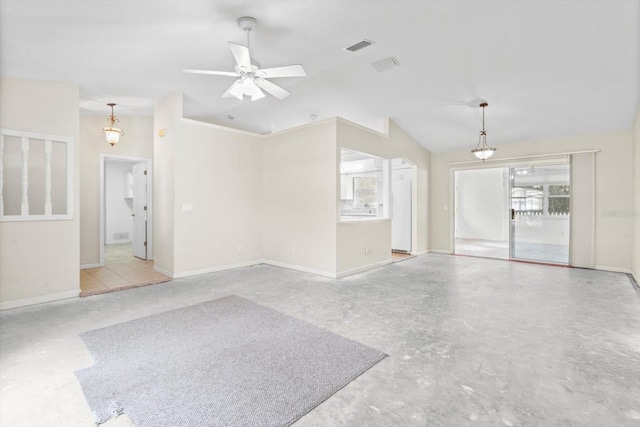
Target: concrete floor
x=542, y=252
x=472, y=342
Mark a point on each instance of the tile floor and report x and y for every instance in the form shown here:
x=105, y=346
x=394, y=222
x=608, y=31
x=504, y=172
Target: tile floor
x=121, y=270
x=398, y=256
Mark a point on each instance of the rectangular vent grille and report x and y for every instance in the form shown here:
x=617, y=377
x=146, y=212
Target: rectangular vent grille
x=386, y=64
x=120, y=236
x=360, y=45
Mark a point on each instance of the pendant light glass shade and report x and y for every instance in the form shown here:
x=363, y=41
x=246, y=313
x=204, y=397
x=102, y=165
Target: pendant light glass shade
x=482, y=150
x=111, y=132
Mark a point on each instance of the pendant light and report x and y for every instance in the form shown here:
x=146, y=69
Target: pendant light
x=482, y=150
x=112, y=133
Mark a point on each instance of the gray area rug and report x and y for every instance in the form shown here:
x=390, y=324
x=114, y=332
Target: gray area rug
x=226, y=362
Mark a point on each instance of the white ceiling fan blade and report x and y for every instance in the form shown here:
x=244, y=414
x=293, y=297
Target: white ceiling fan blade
x=274, y=90
x=217, y=73
x=241, y=54
x=285, y=71
x=251, y=89
x=234, y=91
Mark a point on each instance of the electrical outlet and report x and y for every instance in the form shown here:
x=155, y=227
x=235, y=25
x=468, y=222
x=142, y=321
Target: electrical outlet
x=366, y=250
x=239, y=248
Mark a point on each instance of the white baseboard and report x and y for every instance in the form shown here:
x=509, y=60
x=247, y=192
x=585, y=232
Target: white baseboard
x=614, y=269
x=636, y=277
x=117, y=242
x=299, y=268
x=162, y=271
x=211, y=269
x=38, y=300
x=362, y=269
x=440, y=251
x=422, y=252
x=84, y=266
x=275, y=264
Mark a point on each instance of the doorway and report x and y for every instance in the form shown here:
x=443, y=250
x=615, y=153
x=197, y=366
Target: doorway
x=125, y=206
x=518, y=213
x=126, y=239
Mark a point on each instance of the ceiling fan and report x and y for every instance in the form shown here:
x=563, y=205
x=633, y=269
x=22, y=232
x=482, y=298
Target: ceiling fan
x=251, y=79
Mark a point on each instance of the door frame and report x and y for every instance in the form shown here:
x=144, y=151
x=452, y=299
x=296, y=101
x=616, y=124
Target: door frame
x=103, y=205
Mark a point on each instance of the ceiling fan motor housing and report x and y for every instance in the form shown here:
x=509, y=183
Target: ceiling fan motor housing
x=247, y=23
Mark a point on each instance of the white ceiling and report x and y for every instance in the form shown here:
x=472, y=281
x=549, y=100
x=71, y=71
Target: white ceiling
x=546, y=68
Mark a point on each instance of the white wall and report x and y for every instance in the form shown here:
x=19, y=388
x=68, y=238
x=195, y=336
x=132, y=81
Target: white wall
x=635, y=264
x=397, y=144
x=166, y=117
x=218, y=173
x=39, y=259
x=252, y=197
x=613, y=190
x=299, y=197
x=482, y=204
x=362, y=245
x=118, y=208
x=136, y=142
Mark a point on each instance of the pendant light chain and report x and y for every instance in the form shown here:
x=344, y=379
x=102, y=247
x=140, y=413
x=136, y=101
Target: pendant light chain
x=482, y=150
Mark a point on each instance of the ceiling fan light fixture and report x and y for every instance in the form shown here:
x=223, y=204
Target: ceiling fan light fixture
x=482, y=150
x=112, y=133
x=252, y=80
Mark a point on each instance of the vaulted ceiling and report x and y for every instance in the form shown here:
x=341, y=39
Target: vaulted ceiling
x=546, y=68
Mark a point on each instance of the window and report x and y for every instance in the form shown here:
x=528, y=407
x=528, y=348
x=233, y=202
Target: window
x=36, y=176
x=365, y=192
x=362, y=186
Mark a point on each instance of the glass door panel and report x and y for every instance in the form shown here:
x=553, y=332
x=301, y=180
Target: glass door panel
x=481, y=212
x=540, y=212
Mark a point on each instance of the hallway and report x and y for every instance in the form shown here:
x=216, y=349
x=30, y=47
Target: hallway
x=121, y=271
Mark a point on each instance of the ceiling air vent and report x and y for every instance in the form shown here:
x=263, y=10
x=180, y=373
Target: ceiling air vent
x=386, y=64
x=360, y=45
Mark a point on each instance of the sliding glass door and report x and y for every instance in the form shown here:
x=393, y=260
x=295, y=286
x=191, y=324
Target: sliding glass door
x=481, y=212
x=540, y=213
x=520, y=213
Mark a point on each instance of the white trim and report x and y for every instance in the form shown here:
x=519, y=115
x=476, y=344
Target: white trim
x=613, y=269
x=70, y=176
x=362, y=269
x=163, y=271
x=636, y=277
x=9, y=218
x=440, y=251
x=85, y=266
x=39, y=300
x=212, y=269
x=149, y=161
x=533, y=156
x=300, y=268
x=421, y=252
x=366, y=129
x=215, y=126
x=384, y=134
